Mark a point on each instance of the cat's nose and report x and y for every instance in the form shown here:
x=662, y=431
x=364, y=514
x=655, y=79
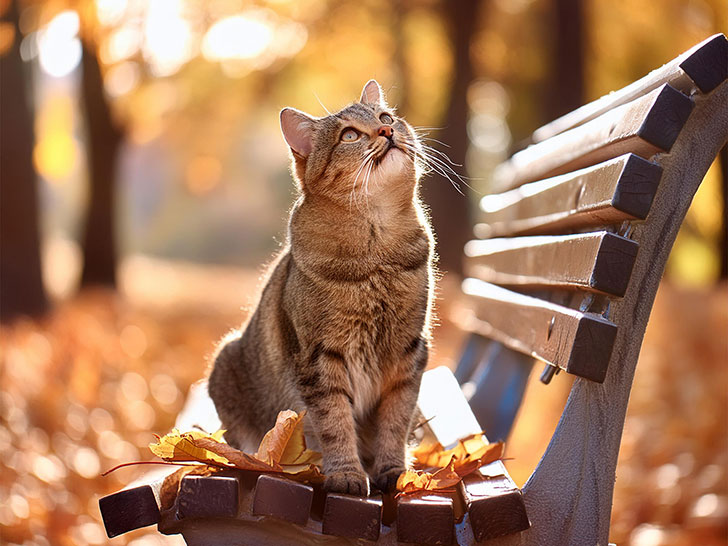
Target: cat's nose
x=385, y=131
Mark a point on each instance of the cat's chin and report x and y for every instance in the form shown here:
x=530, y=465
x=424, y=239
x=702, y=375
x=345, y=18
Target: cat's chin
x=395, y=163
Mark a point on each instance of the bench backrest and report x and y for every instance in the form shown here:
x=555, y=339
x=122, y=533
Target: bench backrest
x=569, y=255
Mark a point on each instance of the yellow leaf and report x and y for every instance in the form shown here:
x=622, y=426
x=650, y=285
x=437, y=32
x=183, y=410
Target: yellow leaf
x=420, y=480
x=467, y=456
x=274, y=442
x=283, y=449
x=296, y=452
x=468, y=452
x=184, y=447
x=310, y=473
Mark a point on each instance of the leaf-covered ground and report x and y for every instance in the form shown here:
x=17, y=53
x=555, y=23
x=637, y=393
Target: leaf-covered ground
x=84, y=389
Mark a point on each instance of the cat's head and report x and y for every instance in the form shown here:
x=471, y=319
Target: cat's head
x=363, y=153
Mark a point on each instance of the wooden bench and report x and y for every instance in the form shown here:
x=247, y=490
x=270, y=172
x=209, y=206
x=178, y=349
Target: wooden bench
x=570, y=251
x=255, y=508
x=568, y=257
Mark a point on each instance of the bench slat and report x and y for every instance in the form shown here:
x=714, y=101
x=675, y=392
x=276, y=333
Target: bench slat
x=596, y=262
x=608, y=193
x=704, y=66
x=579, y=343
x=645, y=126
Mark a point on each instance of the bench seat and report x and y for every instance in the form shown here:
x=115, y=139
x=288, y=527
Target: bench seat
x=231, y=505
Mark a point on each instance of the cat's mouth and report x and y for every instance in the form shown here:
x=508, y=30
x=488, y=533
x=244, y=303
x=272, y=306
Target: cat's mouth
x=386, y=148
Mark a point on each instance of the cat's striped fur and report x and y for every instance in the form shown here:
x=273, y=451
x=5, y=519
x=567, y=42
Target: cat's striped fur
x=342, y=326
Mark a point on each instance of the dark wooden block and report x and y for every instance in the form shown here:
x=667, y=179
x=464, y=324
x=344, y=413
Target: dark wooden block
x=282, y=498
x=208, y=496
x=613, y=266
x=352, y=517
x=708, y=66
x=637, y=186
x=666, y=118
x=425, y=519
x=128, y=510
x=592, y=348
x=495, y=506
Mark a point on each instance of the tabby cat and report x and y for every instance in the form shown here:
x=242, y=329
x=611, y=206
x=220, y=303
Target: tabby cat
x=342, y=326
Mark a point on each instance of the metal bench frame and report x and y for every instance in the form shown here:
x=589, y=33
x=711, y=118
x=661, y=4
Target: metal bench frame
x=569, y=495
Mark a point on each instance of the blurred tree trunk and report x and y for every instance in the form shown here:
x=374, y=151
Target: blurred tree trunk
x=21, y=283
x=450, y=211
x=723, y=241
x=103, y=140
x=566, y=83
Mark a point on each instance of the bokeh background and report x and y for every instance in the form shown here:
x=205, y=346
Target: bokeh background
x=144, y=184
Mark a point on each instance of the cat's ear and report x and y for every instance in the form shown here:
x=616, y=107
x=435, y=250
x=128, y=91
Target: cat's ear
x=297, y=129
x=372, y=93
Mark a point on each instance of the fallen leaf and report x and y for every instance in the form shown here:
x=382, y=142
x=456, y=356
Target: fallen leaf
x=296, y=452
x=283, y=450
x=411, y=481
x=184, y=447
x=469, y=454
x=273, y=445
x=235, y=457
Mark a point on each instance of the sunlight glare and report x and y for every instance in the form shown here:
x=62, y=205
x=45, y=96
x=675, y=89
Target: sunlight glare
x=121, y=44
x=110, y=12
x=242, y=36
x=122, y=78
x=59, y=46
x=56, y=152
x=290, y=39
x=168, y=40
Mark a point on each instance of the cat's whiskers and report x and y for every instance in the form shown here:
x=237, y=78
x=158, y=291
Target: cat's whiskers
x=435, y=163
x=321, y=103
x=367, y=160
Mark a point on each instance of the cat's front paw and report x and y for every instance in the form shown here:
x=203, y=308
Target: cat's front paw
x=351, y=482
x=387, y=481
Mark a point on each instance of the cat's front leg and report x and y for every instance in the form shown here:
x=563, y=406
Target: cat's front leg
x=394, y=417
x=325, y=388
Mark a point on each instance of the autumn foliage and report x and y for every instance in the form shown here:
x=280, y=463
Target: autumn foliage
x=438, y=468
x=282, y=450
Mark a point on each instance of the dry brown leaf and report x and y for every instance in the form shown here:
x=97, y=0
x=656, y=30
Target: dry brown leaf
x=283, y=449
x=235, y=457
x=274, y=442
x=184, y=447
x=470, y=453
x=467, y=456
x=411, y=481
x=296, y=452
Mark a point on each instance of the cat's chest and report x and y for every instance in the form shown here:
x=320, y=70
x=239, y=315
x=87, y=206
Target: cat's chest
x=365, y=382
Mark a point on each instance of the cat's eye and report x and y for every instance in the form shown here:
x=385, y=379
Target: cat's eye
x=386, y=119
x=350, y=135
